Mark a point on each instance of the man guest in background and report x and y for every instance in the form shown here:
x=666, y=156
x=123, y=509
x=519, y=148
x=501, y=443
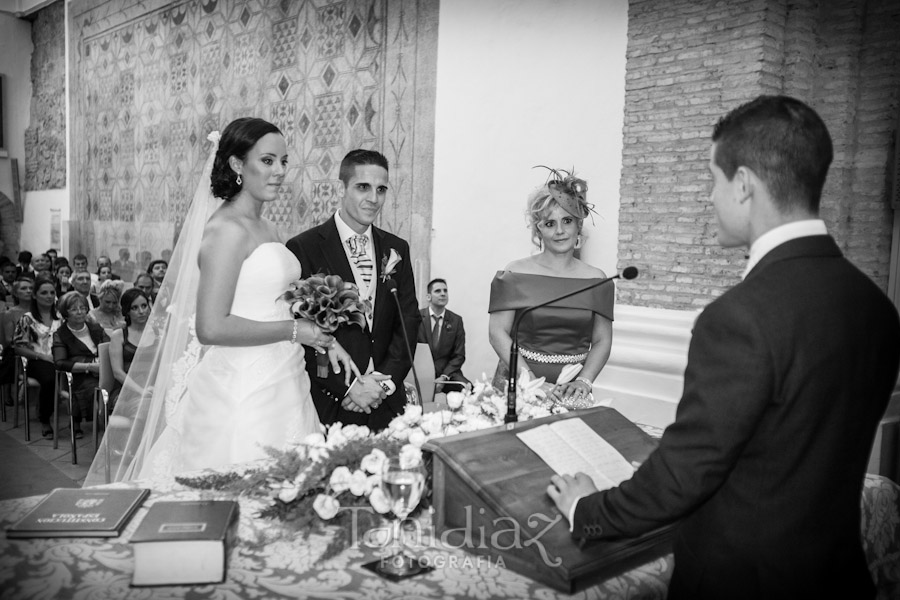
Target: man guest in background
x=788, y=375
x=443, y=331
x=350, y=246
x=81, y=281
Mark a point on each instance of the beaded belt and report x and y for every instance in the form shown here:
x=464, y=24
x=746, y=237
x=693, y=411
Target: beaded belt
x=553, y=359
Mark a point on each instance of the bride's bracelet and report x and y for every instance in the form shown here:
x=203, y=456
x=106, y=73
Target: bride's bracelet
x=589, y=383
x=294, y=331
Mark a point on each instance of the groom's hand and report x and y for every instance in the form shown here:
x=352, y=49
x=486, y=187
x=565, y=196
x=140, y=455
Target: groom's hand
x=365, y=394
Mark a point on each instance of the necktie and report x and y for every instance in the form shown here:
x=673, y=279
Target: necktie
x=436, y=330
x=360, y=257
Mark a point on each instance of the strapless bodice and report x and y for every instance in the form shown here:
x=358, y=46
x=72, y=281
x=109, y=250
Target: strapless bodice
x=265, y=275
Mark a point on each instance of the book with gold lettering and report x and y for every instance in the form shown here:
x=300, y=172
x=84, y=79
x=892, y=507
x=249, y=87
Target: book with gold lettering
x=74, y=512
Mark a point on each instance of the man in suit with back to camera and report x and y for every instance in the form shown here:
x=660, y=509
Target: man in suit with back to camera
x=443, y=331
x=788, y=375
x=350, y=246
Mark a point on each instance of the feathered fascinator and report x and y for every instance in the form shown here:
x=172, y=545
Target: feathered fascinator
x=569, y=191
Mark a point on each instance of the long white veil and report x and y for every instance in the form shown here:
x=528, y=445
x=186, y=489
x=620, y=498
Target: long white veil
x=151, y=396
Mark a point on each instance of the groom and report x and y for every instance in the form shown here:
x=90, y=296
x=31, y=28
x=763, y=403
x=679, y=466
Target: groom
x=349, y=245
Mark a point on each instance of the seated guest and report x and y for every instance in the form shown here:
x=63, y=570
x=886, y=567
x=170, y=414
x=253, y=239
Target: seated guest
x=124, y=341
x=63, y=275
x=788, y=375
x=81, y=281
x=7, y=279
x=443, y=331
x=567, y=342
x=75, y=350
x=157, y=271
x=33, y=339
x=144, y=283
x=42, y=265
x=108, y=314
x=24, y=266
x=104, y=273
x=52, y=254
x=22, y=289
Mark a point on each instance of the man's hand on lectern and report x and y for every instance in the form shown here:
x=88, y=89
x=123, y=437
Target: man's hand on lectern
x=566, y=490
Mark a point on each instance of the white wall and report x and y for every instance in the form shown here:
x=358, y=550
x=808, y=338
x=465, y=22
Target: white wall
x=521, y=83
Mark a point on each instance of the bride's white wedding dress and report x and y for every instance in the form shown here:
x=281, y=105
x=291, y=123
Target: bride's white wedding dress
x=230, y=402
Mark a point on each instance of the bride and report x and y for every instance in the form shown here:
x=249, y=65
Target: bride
x=222, y=383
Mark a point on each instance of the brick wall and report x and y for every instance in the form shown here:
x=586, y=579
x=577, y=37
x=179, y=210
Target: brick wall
x=691, y=61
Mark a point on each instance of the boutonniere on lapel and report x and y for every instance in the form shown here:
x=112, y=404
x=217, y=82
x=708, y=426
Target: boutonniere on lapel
x=389, y=264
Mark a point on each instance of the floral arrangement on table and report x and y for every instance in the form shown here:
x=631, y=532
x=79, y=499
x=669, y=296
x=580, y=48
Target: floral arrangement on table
x=329, y=302
x=334, y=479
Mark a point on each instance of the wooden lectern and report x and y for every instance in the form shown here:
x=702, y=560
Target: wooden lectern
x=490, y=498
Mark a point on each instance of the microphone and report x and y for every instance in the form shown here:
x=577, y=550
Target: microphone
x=392, y=288
x=511, y=390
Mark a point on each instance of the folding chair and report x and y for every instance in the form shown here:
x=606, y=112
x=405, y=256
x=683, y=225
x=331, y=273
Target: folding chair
x=101, y=392
x=63, y=391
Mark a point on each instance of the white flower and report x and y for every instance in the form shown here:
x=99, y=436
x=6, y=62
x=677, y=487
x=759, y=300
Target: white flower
x=326, y=506
x=410, y=456
x=379, y=501
x=372, y=482
x=373, y=462
x=336, y=435
x=398, y=424
x=354, y=432
x=288, y=492
x=412, y=414
x=432, y=423
x=389, y=263
x=314, y=439
x=340, y=479
x=451, y=430
x=455, y=399
x=214, y=137
x=417, y=437
x=358, y=483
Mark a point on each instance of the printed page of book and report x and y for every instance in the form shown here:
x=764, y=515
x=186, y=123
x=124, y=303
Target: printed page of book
x=570, y=445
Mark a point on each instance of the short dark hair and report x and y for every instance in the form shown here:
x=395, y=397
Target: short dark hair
x=140, y=276
x=237, y=139
x=154, y=263
x=434, y=281
x=25, y=256
x=360, y=157
x=130, y=295
x=79, y=257
x=784, y=142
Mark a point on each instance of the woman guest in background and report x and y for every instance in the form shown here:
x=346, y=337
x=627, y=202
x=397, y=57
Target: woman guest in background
x=75, y=350
x=63, y=274
x=108, y=314
x=124, y=341
x=248, y=388
x=22, y=290
x=104, y=273
x=33, y=339
x=567, y=342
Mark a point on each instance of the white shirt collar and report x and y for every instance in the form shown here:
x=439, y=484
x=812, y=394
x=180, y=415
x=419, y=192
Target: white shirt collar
x=434, y=314
x=345, y=231
x=779, y=235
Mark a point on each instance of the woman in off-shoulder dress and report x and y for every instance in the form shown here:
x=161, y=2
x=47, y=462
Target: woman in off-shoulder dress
x=567, y=342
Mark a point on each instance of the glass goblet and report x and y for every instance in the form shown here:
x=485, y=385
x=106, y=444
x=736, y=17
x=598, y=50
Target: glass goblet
x=403, y=485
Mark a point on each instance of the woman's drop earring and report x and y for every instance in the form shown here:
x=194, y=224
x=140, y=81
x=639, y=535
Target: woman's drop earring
x=578, y=241
x=239, y=181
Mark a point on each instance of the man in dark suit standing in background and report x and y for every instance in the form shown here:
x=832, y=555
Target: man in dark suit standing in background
x=349, y=245
x=443, y=331
x=788, y=375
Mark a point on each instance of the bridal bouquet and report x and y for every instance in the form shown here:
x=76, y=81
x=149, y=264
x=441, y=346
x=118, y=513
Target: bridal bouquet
x=329, y=302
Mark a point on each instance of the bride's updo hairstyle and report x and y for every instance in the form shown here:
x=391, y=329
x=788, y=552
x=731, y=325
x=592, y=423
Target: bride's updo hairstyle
x=237, y=139
x=562, y=189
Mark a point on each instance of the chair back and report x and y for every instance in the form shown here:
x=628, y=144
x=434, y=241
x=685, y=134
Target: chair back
x=424, y=366
x=106, y=377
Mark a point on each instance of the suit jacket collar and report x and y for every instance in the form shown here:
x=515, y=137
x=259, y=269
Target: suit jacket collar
x=808, y=246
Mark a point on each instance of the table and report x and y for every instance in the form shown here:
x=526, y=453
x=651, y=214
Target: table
x=264, y=568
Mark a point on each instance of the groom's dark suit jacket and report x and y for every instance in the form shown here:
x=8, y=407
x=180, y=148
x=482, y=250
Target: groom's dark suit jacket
x=788, y=375
x=320, y=250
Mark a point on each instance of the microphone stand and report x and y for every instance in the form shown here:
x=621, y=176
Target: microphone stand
x=511, y=390
x=392, y=286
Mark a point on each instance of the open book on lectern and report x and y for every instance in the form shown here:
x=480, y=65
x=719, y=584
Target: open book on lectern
x=570, y=445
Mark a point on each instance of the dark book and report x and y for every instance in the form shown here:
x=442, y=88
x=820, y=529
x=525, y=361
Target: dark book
x=73, y=512
x=184, y=542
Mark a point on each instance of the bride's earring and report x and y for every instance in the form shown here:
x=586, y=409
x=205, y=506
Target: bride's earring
x=239, y=181
x=578, y=241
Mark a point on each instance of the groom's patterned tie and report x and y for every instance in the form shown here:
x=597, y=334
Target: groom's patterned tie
x=360, y=257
